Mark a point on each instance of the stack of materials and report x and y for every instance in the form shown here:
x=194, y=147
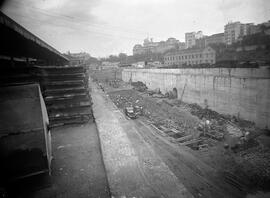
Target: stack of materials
x=20, y=75
x=66, y=94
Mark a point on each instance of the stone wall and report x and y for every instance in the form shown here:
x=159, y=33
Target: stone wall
x=243, y=92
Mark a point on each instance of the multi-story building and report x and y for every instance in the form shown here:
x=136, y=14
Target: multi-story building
x=163, y=46
x=191, y=57
x=181, y=45
x=190, y=38
x=234, y=31
x=215, y=39
x=155, y=47
x=200, y=42
x=138, y=49
x=77, y=58
x=260, y=28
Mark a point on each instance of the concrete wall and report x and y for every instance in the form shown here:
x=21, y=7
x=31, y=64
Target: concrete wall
x=242, y=92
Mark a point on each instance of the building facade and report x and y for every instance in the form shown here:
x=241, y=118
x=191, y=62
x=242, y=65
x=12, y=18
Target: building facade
x=215, y=39
x=200, y=42
x=261, y=28
x=191, y=57
x=190, y=38
x=234, y=31
x=77, y=58
x=181, y=45
x=156, y=47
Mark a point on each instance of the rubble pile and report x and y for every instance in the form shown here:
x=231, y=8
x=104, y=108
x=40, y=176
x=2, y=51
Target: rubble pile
x=226, y=142
x=253, y=163
x=168, y=116
x=66, y=94
x=139, y=86
x=159, y=114
x=114, y=83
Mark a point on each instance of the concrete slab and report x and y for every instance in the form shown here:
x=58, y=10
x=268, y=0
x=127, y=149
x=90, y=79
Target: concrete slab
x=132, y=171
x=77, y=167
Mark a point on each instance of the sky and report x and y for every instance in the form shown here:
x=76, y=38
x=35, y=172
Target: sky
x=105, y=27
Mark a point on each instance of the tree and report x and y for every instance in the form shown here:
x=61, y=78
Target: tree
x=122, y=57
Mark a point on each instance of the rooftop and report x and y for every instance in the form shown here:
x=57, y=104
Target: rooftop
x=15, y=38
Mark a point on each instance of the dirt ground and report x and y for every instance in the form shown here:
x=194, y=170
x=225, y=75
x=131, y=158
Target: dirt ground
x=235, y=148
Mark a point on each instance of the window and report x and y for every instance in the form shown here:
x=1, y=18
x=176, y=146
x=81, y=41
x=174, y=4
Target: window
x=192, y=56
x=200, y=55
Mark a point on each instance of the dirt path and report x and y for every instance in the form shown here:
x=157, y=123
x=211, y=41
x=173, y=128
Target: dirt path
x=200, y=179
x=133, y=168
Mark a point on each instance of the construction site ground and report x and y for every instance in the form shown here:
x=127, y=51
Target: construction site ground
x=214, y=155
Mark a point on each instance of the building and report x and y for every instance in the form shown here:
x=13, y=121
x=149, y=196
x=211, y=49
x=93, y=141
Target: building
x=191, y=57
x=234, y=31
x=138, y=49
x=156, y=47
x=200, y=42
x=109, y=65
x=190, y=38
x=140, y=64
x=77, y=58
x=215, y=39
x=261, y=28
x=181, y=45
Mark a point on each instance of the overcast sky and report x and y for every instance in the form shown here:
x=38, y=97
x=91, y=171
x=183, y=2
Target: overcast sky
x=104, y=27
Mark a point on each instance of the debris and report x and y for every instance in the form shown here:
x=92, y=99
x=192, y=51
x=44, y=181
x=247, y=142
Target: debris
x=203, y=146
x=190, y=142
x=156, y=95
x=129, y=111
x=139, y=86
x=216, y=136
x=183, y=139
x=234, y=131
x=226, y=146
x=200, y=129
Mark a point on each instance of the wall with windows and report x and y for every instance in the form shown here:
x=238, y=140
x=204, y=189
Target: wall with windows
x=194, y=57
x=243, y=92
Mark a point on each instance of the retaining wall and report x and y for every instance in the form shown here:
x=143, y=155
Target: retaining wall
x=243, y=92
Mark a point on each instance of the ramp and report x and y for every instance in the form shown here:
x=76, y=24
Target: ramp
x=25, y=142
